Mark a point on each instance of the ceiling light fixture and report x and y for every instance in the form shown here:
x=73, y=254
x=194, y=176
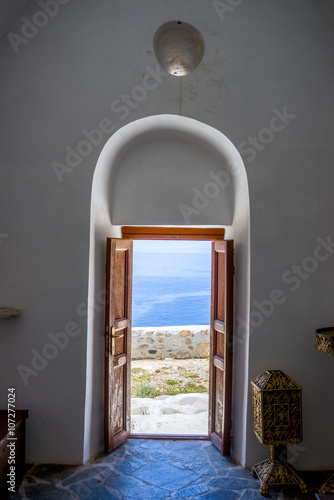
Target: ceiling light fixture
x=178, y=47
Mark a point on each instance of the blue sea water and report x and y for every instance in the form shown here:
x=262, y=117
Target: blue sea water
x=171, y=288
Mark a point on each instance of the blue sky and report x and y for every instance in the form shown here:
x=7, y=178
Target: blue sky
x=167, y=246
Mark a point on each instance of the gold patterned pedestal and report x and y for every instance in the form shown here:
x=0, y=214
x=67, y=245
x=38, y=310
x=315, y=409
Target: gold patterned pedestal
x=277, y=419
x=276, y=471
x=328, y=486
x=324, y=342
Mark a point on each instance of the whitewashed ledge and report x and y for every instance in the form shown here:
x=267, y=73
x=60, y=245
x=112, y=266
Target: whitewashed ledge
x=9, y=312
x=180, y=342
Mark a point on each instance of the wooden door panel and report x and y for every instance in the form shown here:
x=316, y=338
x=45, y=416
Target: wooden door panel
x=118, y=342
x=220, y=286
x=221, y=345
x=121, y=297
x=219, y=408
x=117, y=406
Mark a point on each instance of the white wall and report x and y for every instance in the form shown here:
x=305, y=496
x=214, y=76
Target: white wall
x=259, y=56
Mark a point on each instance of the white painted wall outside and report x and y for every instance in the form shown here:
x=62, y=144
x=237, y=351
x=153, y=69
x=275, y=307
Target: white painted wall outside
x=262, y=59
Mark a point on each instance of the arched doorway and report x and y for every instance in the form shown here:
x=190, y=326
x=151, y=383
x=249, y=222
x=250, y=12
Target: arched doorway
x=167, y=170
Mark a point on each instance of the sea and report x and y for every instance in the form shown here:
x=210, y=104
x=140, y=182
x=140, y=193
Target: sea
x=171, y=287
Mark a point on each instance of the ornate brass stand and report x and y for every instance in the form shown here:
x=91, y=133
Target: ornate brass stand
x=328, y=486
x=276, y=471
x=277, y=420
x=324, y=342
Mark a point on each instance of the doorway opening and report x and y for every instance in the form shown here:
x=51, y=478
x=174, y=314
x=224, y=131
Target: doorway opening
x=119, y=277
x=170, y=337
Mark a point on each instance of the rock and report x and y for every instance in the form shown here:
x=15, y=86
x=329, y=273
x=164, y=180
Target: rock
x=182, y=354
x=203, y=349
x=188, y=400
x=170, y=411
x=176, y=342
x=136, y=333
x=140, y=410
x=185, y=333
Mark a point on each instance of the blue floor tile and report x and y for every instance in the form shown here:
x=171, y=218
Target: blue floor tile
x=192, y=491
x=151, y=444
x=133, y=489
x=128, y=466
x=254, y=495
x=92, y=490
x=151, y=470
x=220, y=495
x=231, y=483
x=83, y=474
x=167, y=458
x=241, y=473
x=139, y=452
x=166, y=476
x=46, y=492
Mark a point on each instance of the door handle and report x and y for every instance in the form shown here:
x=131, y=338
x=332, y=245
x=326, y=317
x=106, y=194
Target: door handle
x=111, y=331
x=117, y=336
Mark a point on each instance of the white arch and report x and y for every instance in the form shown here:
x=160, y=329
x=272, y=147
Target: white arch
x=214, y=147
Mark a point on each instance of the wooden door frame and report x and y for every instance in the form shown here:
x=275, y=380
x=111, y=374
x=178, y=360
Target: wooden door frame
x=173, y=233
x=176, y=234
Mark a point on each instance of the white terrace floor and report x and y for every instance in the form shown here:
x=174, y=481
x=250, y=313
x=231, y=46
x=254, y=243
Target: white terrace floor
x=181, y=414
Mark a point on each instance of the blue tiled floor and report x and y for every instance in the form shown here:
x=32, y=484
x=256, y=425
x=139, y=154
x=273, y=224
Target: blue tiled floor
x=149, y=470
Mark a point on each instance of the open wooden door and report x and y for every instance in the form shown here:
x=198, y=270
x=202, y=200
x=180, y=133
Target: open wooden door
x=221, y=345
x=117, y=415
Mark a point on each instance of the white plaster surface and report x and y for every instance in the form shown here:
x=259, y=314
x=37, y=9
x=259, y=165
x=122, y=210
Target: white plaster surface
x=180, y=414
x=259, y=56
